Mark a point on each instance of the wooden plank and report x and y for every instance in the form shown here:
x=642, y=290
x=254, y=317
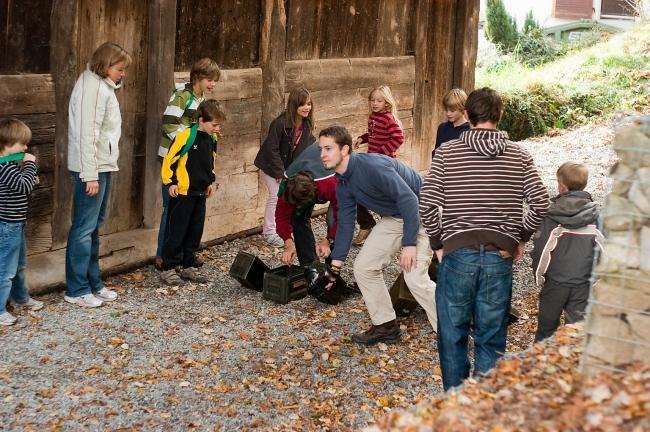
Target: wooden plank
x=272, y=60
x=348, y=29
x=125, y=205
x=233, y=84
x=42, y=127
x=45, y=157
x=392, y=28
x=24, y=40
x=435, y=29
x=244, y=116
x=466, y=44
x=26, y=94
x=63, y=58
x=329, y=104
x=160, y=77
x=444, y=31
x=41, y=202
x=334, y=74
x=300, y=15
x=38, y=232
x=229, y=32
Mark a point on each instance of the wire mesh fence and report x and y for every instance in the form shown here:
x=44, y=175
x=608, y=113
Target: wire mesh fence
x=618, y=317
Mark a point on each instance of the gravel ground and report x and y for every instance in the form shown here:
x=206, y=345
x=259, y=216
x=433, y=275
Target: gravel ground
x=217, y=356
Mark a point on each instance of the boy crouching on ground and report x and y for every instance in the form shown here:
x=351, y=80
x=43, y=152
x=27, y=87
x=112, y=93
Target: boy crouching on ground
x=16, y=183
x=188, y=170
x=564, y=251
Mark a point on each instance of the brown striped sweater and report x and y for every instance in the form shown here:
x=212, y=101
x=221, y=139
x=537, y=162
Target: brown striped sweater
x=480, y=181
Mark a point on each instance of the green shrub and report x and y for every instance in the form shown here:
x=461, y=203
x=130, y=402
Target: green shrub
x=535, y=48
x=531, y=112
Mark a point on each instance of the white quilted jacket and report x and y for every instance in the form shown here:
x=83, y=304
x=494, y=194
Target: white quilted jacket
x=94, y=126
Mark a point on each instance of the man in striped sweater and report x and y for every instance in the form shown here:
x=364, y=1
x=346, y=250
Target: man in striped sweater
x=480, y=183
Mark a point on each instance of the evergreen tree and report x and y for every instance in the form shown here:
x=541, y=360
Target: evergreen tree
x=529, y=23
x=500, y=26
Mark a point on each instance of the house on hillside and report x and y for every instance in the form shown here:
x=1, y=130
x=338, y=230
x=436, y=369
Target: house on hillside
x=337, y=49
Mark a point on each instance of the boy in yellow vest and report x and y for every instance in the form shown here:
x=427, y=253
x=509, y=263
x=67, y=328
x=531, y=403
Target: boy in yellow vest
x=188, y=171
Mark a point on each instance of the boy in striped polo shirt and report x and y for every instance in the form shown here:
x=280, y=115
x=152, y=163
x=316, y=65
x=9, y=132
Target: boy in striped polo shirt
x=17, y=179
x=480, y=181
x=179, y=115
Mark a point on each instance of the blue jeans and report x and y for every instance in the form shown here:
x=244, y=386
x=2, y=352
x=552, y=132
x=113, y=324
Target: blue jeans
x=163, y=220
x=13, y=260
x=82, y=254
x=474, y=286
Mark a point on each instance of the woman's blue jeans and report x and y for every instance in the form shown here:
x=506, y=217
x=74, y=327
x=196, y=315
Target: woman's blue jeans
x=474, y=289
x=12, y=263
x=82, y=254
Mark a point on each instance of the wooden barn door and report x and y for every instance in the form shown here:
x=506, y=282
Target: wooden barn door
x=98, y=21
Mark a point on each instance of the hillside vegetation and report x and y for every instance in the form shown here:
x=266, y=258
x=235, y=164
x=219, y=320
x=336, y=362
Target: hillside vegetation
x=587, y=84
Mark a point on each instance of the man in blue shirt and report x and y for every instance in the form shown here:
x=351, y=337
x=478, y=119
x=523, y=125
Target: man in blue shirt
x=390, y=189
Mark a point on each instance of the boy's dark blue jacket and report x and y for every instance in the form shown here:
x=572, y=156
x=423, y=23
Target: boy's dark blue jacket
x=383, y=185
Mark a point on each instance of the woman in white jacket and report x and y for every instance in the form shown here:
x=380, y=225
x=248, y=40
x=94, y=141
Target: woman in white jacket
x=94, y=129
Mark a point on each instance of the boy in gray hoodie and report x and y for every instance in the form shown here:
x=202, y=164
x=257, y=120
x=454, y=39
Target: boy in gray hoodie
x=563, y=251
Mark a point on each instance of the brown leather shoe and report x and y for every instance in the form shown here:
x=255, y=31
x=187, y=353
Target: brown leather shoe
x=387, y=332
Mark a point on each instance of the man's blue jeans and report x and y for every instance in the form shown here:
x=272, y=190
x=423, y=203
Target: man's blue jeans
x=82, y=254
x=474, y=288
x=163, y=220
x=12, y=263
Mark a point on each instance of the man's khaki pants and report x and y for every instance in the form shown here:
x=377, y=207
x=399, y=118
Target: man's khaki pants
x=384, y=241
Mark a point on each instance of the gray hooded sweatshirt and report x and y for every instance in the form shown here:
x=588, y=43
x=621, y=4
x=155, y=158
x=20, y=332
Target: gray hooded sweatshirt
x=572, y=259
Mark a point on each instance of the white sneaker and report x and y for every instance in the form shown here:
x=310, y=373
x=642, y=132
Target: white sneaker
x=86, y=300
x=105, y=294
x=7, y=319
x=32, y=304
x=273, y=240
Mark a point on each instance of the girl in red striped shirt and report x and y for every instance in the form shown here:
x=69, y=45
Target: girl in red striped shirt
x=384, y=136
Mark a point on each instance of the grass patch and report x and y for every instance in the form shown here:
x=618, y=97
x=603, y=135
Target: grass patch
x=585, y=85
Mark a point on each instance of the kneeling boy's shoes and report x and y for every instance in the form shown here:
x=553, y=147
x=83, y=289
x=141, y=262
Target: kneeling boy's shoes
x=387, y=332
x=192, y=275
x=170, y=277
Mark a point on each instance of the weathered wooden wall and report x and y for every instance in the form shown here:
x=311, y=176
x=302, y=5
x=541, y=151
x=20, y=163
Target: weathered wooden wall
x=340, y=89
x=338, y=29
x=24, y=36
x=339, y=50
x=227, y=31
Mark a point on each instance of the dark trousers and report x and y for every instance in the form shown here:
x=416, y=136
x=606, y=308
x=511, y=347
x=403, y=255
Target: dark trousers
x=555, y=298
x=304, y=237
x=185, y=220
x=364, y=218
